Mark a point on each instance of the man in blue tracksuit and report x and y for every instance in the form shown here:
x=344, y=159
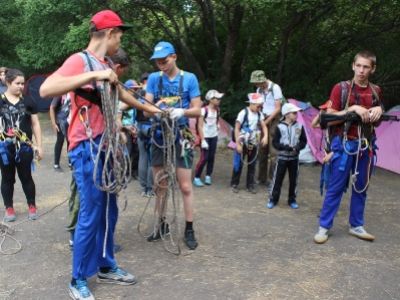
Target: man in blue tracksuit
x=81, y=75
x=353, y=147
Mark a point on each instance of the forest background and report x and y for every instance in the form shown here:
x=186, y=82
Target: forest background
x=306, y=46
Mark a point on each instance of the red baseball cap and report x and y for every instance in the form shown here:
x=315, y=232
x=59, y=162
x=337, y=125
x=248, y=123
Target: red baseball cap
x=108, y=19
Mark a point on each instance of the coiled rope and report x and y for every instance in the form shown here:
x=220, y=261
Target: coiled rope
x=165, y=188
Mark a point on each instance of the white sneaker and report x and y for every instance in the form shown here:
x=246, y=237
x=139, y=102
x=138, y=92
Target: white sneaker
x=321, y=236
x=361, y=233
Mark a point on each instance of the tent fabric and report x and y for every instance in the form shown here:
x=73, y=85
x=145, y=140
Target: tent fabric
x=388, y=142
x=314, y=135
x=31, y=91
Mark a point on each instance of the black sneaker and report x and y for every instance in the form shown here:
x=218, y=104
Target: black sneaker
x=190, y=240
x=155, y=236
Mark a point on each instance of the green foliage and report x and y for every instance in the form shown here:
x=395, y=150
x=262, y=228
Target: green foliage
x=305, y=46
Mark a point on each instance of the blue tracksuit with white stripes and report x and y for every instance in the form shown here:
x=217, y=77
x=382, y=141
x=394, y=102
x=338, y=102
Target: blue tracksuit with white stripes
x=343, y=165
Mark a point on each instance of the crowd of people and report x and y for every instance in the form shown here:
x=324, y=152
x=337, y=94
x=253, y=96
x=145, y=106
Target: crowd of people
x=266, y=131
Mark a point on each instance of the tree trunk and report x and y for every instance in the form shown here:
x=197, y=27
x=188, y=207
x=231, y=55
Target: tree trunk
x=233, y=35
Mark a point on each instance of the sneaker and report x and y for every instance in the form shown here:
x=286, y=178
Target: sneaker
x=116, y=275
x=294, y=205
x=10, y=215
x=270, y=204
x=197, y=182
x=361, y=233
x=190, y=239
x=32, y=215
x=235, y=189
x=80, y=291
x=252, y=190
x=71, y=240
x=150, y=194
x=321, y=236
x=57, y=168
x=207, y=180
x=143, y=194
x=155, y=236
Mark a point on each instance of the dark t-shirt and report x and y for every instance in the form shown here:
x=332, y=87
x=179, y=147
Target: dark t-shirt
x=18, y=115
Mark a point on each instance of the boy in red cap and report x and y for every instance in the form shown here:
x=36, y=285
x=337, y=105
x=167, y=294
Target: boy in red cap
x=80, y=75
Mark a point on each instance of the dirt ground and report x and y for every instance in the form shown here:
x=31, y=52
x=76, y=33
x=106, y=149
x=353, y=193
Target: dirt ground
x=246, y=251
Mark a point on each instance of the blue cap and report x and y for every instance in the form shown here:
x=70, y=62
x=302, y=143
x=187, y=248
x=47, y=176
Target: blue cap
x=163, y=49
x=131, y=84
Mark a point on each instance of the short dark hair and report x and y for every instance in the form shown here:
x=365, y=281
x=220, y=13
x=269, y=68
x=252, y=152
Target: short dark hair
x=11, y=74
x=366, y=54
x=121, y=58
x=93, y=32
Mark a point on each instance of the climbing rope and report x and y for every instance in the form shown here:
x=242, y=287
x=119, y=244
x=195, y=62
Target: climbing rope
x=7, y=231
x=165, y=184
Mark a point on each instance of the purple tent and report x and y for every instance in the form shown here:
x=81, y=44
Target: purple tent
x=388, y=142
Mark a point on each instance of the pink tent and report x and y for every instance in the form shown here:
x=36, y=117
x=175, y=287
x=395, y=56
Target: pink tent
x=388, y=142
x=314, y=135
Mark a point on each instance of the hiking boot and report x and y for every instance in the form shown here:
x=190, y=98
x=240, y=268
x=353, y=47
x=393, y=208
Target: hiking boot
x=235, y=189
x=252, y=190
x=294, y=205
x=190, y=239
x=361, y=233
x=207, y=180
x=270, y=204
x=321, y=236
x=116, y=275
x=155, y=236
x=32, y=215
x=197, y=182
x=10, y=215
x=78, y=290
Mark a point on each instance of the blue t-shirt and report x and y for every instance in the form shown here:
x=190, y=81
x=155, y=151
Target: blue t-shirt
x=170, y=90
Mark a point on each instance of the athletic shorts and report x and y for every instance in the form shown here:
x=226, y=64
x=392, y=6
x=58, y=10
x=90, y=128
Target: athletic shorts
x=158, y=159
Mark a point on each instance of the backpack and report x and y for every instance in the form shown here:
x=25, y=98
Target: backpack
x=245, y=122
x=345, y=93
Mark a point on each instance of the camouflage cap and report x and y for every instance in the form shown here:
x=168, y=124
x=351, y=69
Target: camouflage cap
x=258, y=76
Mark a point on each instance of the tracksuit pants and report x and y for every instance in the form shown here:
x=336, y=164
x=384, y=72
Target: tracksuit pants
x=90, y=229
x=292, y=166
x=238, y=164
x=343, y=165
x=207, y=156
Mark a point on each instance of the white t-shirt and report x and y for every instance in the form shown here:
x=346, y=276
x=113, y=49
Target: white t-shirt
x=270, y=96
x=252, y=118
x=210, y=126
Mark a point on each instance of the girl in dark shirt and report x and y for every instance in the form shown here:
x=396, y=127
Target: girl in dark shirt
x=18, y=121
